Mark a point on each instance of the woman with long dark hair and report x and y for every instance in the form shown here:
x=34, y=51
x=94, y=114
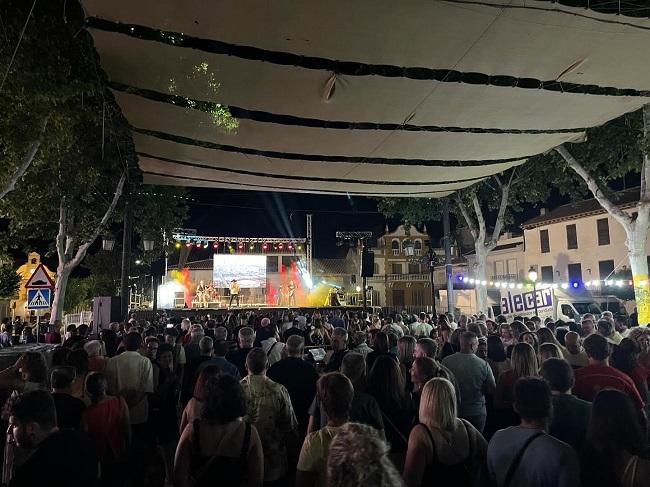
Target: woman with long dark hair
x=220, y=447
x=615, y=453
x=386, y=385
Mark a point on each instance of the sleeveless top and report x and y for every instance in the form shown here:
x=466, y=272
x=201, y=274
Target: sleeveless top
x=216, y=470
x=458, y=474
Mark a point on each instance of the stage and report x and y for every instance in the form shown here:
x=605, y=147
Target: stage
x=147, y=314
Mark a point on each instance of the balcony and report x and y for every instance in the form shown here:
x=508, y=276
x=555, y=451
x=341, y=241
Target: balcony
x=504, y=277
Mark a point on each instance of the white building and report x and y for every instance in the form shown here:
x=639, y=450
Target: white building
x=578, y=241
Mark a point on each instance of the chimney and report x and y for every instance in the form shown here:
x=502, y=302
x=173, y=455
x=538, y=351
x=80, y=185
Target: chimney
x=542, y=211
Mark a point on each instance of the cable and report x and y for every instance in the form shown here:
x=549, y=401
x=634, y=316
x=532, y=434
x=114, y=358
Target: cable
x=13, y=57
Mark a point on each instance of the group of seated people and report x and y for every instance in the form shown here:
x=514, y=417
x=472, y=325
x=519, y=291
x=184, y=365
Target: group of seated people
x=333, y=399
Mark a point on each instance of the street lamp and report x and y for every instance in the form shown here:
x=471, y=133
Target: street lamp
x=108, y=243
x=432, y=263
x=532, y=275
x=147, y=244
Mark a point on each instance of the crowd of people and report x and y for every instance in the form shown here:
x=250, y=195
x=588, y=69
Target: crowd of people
x=333, y=399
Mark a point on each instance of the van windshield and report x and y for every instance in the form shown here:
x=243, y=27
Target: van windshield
x=584, y=308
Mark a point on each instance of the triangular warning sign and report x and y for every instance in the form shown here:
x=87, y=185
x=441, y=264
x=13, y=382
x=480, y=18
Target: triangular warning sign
x=40, y=278
x=38, y=301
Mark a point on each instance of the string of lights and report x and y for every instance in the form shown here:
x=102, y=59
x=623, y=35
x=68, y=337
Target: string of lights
x=505, y=284
x=240, y=244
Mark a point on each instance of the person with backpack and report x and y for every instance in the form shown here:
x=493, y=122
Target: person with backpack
x=443, y=449
x=526, y=454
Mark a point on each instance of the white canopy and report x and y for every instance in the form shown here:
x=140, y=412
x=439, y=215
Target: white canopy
x=368, y=97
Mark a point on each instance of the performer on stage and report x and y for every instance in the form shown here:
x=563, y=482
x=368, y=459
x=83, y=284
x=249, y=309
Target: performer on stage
x=234, y=292
x=291, y=288
x=201, y=293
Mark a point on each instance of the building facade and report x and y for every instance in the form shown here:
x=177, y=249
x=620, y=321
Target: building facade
x=578, y=242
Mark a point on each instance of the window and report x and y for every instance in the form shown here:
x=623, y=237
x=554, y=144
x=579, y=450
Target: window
x=397, y=268
x=395, y=247
x=605, y=269
x=271, y=263
x=547, y=273
x=575, y=272
x=571, y=237
x=602, y=226
x=418, y=247
x=417, y=297
x=407, y=245
x=414, y=268
x=398, y=297
x=375, y=268
x=544, y=242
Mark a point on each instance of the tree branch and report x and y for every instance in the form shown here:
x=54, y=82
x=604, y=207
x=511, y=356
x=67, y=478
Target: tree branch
x=60, y=236
x=482, y=231
x=501, y=215
x=619, y=215
x=83, y=248
x=645, y=166
x=468, y=219
x=27, y=160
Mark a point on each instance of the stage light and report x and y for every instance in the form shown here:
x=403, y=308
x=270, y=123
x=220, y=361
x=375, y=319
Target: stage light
x=460, y=277
x=215, y=245
x=511, y=285
x=252, y=247
x=241, y=246
x=491, y=283
x=619, y=283
x=178, y=245
x=609, y=283
x=265, y=246
x=575, y=285
x=471, y=281
x=299, y=247
x=290, y=247
x=188, y=244
x=280, y=246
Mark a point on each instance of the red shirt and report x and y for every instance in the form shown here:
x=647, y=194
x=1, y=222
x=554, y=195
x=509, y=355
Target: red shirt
x=593, y=378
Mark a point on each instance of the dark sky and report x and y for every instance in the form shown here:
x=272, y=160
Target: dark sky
x=265, y=214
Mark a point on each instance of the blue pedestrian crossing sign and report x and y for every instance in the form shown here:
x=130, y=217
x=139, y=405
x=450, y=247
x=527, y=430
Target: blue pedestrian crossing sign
x=38, y=298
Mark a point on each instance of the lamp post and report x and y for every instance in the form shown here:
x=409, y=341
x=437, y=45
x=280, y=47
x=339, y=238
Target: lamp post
x=532, y=275
x=432, y=264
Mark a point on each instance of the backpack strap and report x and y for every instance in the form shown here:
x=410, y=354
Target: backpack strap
x=518, y=457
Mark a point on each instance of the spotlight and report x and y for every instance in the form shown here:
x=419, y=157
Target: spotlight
x=299, y=247
x=178, y=245
x=215, y=245
x=265, y=246
x=575, y=285
x=241, y=245
x=188, y=244
x=280, y=246
x=252, y=247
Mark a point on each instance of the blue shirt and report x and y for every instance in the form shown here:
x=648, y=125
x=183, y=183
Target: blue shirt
x=225, y=366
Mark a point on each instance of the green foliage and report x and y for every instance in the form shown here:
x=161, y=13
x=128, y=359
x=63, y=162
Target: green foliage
x=220, y=114
x=77, y=295
x=104, y=268
x=611, y=152
x=9, y=282
x=87, y=144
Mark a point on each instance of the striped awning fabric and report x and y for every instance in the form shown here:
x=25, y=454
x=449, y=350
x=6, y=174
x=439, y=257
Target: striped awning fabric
x=417, y=98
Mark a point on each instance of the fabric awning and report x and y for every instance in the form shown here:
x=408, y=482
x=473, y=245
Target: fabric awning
x=370, y=97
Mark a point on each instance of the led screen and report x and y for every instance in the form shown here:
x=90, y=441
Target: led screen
x=248, y=270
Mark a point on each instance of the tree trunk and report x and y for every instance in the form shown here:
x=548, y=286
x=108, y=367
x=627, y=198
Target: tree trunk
x=62, y=276
x=637, y=236
x=480, y=274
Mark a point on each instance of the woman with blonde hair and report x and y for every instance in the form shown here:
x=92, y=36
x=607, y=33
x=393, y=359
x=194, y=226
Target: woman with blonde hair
x=443, y=449
x=358, y=457
x=405, y=350
x=523, y=363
